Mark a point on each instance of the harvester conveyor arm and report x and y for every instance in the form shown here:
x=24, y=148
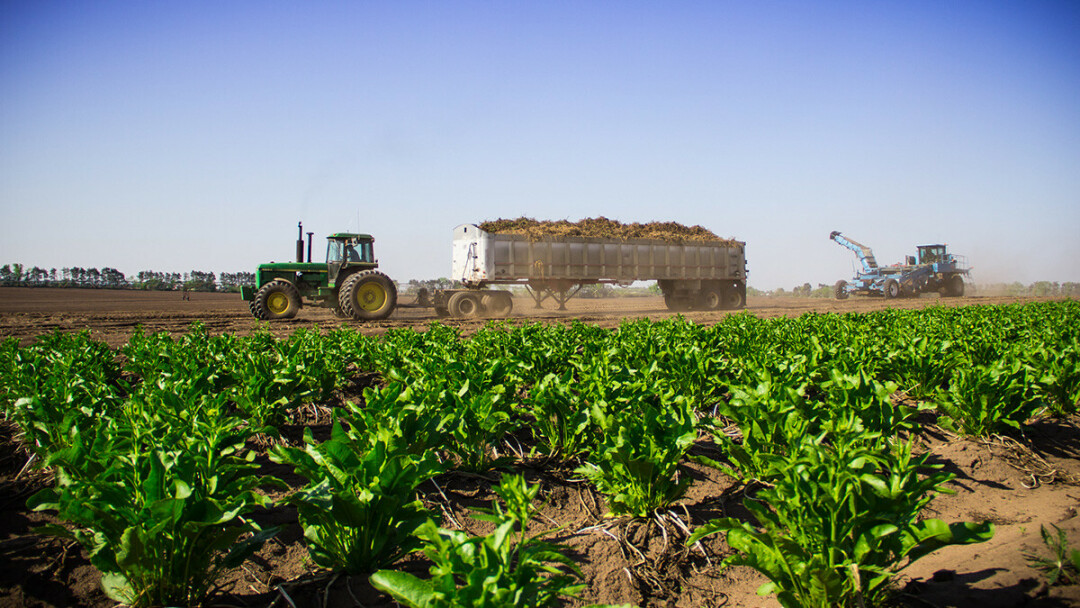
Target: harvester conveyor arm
x=864, y=253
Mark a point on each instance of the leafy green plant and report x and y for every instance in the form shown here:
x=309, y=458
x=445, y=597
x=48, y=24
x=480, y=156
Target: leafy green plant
x=1063, y=565
x=359, y=511
x=637, y=462
x=984, y=400
x=159, y=504
x=492, y=571
x=838, y=521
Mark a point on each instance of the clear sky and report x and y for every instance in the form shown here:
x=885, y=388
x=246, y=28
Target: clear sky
x=194, y=135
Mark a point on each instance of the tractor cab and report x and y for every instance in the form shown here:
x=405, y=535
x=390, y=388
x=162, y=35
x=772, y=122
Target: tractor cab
x=931, y=254
x=347, y=250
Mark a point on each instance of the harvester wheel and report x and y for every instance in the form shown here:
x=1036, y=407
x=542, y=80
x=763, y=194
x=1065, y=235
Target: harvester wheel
x=840, y=290
x=464, y=305
x=954, y=286
x=276, y=300
x=368, y=295
x=710, y=299
x=892, y=289
x=498, y=304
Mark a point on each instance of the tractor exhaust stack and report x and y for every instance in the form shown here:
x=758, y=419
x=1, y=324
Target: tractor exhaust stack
x=300, y=243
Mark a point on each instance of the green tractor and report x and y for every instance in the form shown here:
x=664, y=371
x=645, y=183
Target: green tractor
x=347, y=283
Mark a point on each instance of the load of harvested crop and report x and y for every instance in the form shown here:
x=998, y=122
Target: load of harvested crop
x=600, y=227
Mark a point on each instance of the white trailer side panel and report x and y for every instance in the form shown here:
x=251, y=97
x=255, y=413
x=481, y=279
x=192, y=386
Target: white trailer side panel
x=480, y=257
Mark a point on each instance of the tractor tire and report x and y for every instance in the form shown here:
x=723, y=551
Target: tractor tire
x=954, y=286
x=337, y=312
x=368, y=295
x=710, y=298
x=840, y=290
x=733, y=298
x=276, y=300
x=498, y=304
x=464, y=305
x=891, y=290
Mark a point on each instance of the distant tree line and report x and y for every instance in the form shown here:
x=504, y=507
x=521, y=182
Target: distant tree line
x=17, y=275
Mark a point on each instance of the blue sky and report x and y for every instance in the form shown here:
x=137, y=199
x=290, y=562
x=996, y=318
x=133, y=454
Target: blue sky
x=194, y=135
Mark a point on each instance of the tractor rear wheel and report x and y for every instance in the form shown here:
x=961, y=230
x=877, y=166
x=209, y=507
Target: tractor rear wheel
x=276, y=300
x=892, y=289
x=464, y=305
x=498, y=304
x=368, y=295
x=840, y=290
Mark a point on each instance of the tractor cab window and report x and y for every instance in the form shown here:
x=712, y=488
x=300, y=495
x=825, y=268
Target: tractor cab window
x=363, y=252
x=339, y=252
x=335, y=252
x=932, y=255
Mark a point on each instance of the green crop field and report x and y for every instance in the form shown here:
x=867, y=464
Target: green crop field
x=174, y=461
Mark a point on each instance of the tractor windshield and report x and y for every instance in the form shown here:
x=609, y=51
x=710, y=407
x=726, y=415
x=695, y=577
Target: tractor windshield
x=342, y=251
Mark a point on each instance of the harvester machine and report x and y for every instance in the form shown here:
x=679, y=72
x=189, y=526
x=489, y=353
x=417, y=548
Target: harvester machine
x=933, y=268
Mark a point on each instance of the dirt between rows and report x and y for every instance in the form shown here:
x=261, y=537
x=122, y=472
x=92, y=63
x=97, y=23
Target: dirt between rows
x=1018, y=486
x=112, y=315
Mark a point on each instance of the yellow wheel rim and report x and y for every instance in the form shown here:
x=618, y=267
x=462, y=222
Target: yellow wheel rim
x=370, y=296
x=277, y=303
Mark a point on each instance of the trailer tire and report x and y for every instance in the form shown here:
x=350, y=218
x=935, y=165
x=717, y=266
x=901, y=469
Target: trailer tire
x=710, y=298
x=733, y=298
x=498, y=304
x=954, y=286
x=677, y=303
x=840, y=290
x=368, y=295
x=891, y=290
x=464, y=305
x=276, y=300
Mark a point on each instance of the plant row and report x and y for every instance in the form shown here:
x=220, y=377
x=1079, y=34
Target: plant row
x=155, y=475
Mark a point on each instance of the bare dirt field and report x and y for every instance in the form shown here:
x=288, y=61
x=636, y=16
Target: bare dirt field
x=111, y=315
x=623, y=561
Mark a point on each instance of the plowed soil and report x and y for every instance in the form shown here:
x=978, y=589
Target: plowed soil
x=1017, y=486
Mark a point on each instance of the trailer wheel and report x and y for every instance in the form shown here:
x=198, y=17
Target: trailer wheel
x=954, y=286
x=840, y=290
x=733, y=298
x=710, y=299
x=276, y=300
x=498, y=304
x=368, y=295
x=892, y=289
x=464, y=305
x=677, y=303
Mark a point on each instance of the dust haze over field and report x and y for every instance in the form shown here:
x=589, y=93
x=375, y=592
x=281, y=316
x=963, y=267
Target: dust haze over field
x=195, y=136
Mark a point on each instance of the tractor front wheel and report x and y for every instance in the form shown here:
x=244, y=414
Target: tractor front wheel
x=276, y=300
x=368, y=295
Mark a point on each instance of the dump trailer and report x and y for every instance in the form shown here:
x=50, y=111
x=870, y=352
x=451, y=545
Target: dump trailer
x=933, y=268
x=692, y=275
